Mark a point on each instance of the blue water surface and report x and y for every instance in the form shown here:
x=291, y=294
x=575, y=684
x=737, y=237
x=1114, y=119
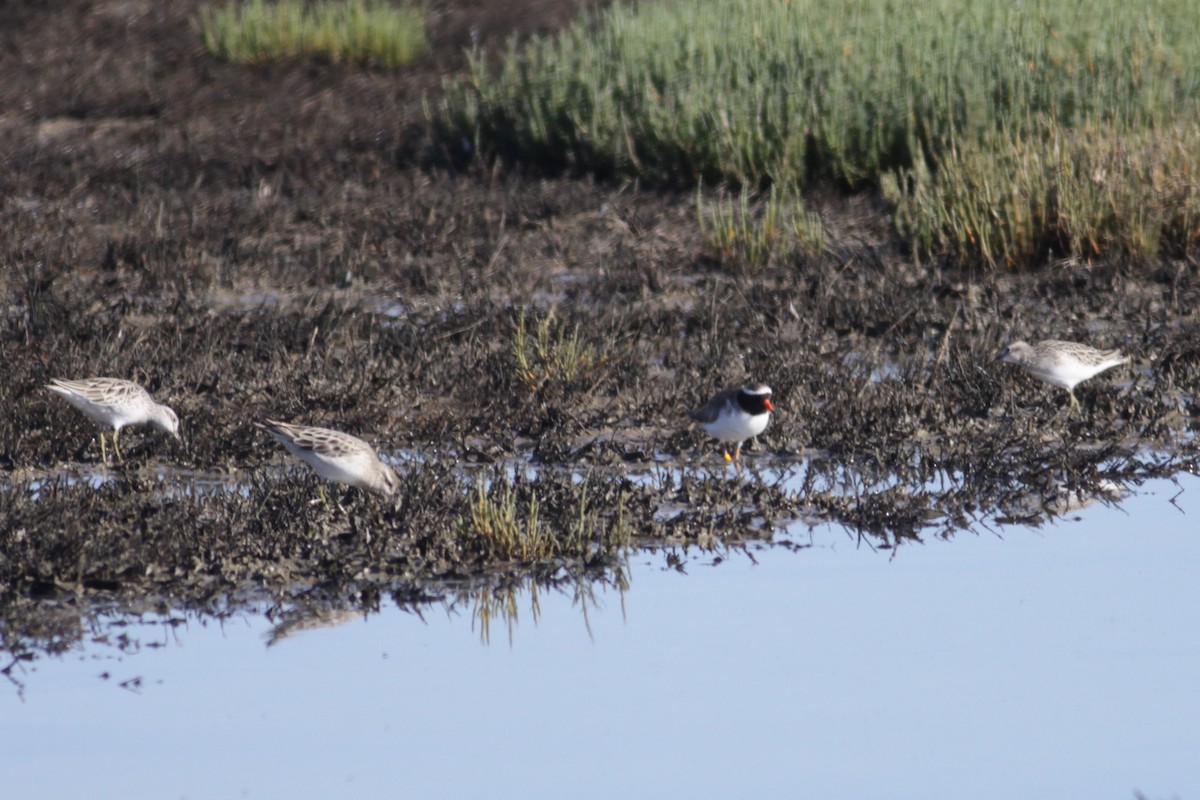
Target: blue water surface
x=1056, y=662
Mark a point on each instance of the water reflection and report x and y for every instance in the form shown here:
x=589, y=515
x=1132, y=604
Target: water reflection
x=52, y=610
x=35, y=629
x=1057, y=662
x=37, y=482
x=302, y=618
x=504, y=604
x=170, y=481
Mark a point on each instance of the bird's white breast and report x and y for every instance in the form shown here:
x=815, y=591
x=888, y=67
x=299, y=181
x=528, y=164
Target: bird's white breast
x=736, y=425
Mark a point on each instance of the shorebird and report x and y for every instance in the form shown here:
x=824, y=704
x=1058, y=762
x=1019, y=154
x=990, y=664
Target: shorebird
x=115, y=403
x=736, y=415
x=1065, y=364
x=335, y=456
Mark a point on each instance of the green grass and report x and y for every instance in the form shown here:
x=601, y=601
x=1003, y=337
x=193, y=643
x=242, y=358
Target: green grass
x=1077, y=194
x=750, y=231
x=548, y=354
x=872, y=92
x=356, y=31
x=505, y=523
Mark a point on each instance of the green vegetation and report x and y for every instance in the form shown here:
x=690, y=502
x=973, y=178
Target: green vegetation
x=748, y=232
x=976, y=117
x=1080, y=193
x=359, y=31
x=549, y=354
x=505, y=523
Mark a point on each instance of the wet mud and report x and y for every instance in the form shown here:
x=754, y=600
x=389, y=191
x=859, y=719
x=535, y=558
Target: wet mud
x=300, y=242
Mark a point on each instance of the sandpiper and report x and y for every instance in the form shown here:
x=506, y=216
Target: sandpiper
x=1065, y=364
x=335, y=456
x=736, y=415
x=115, y=403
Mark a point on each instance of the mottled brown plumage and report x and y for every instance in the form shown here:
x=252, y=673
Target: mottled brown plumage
x=335, y=456
x=115, y=403
x=1064, y=364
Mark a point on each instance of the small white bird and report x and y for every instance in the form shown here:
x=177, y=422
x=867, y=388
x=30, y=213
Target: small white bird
x=1064, y=364
x=115, y=403
x=736, y=415
x=335, y=456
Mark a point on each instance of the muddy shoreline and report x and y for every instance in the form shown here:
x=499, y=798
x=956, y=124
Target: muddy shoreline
x=296, y=242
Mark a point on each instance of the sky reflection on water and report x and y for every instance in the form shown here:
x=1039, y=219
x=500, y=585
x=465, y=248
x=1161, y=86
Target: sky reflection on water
x=1059, y=662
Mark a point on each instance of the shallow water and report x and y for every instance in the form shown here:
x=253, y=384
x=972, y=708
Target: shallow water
x=1051, y=662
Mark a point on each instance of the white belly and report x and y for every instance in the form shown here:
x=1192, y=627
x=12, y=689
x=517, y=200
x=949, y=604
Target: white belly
x=737, y=427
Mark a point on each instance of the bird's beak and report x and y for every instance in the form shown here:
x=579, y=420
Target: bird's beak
x=768, y=404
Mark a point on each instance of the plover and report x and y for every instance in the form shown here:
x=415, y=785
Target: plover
x=736, y=415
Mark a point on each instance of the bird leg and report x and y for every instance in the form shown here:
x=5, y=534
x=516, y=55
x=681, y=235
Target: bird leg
x=103, y=452
x=116, y=445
